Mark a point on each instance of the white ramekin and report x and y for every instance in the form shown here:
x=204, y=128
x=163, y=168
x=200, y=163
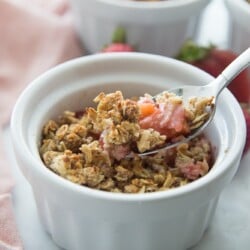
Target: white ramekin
x=152, y=27
x=239, y=13
x=80, y=218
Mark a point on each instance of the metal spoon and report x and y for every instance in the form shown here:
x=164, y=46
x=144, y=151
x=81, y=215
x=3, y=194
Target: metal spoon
x=213, y=88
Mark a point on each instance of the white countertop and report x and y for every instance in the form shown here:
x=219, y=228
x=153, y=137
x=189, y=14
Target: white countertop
x=229, y=229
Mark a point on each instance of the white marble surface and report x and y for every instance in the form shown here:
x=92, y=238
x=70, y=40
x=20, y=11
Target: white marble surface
x=230, y=228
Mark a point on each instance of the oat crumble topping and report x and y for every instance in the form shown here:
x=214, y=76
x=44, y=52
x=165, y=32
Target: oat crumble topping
x=90, y=147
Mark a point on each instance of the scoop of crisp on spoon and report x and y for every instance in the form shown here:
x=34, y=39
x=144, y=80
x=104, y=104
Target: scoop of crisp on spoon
x=213, y=90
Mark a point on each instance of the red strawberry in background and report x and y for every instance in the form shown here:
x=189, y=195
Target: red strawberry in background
x=118, y=47
x=119, y=42
x=214, y=60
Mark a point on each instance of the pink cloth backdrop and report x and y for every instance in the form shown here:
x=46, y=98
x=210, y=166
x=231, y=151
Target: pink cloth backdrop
x=35, y=36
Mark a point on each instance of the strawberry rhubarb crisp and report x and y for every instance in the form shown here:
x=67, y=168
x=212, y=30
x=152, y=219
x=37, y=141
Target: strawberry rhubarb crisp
x=98, y=147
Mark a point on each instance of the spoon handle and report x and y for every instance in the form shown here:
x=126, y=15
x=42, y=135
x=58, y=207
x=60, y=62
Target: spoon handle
x=232, y=70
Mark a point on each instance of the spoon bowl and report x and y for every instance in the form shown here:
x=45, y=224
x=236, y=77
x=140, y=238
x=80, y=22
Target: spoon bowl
x=213, y=89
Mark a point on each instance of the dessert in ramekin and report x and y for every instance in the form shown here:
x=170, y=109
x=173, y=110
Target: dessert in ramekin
x=78, y=217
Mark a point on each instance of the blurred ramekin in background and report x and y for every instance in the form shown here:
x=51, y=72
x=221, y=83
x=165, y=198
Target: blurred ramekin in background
x=159, y=27
x=239, y=13
x=81, y=218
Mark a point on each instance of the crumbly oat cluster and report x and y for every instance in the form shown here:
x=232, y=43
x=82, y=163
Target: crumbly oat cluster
x=90, y=147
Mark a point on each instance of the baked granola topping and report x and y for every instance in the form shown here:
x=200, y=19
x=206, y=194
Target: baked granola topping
x=90, y=147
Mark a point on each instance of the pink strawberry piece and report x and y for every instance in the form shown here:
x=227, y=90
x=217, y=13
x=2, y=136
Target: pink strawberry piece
x=118, y=47
x=119, y=42
x=168, y=120
x=193, y=171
